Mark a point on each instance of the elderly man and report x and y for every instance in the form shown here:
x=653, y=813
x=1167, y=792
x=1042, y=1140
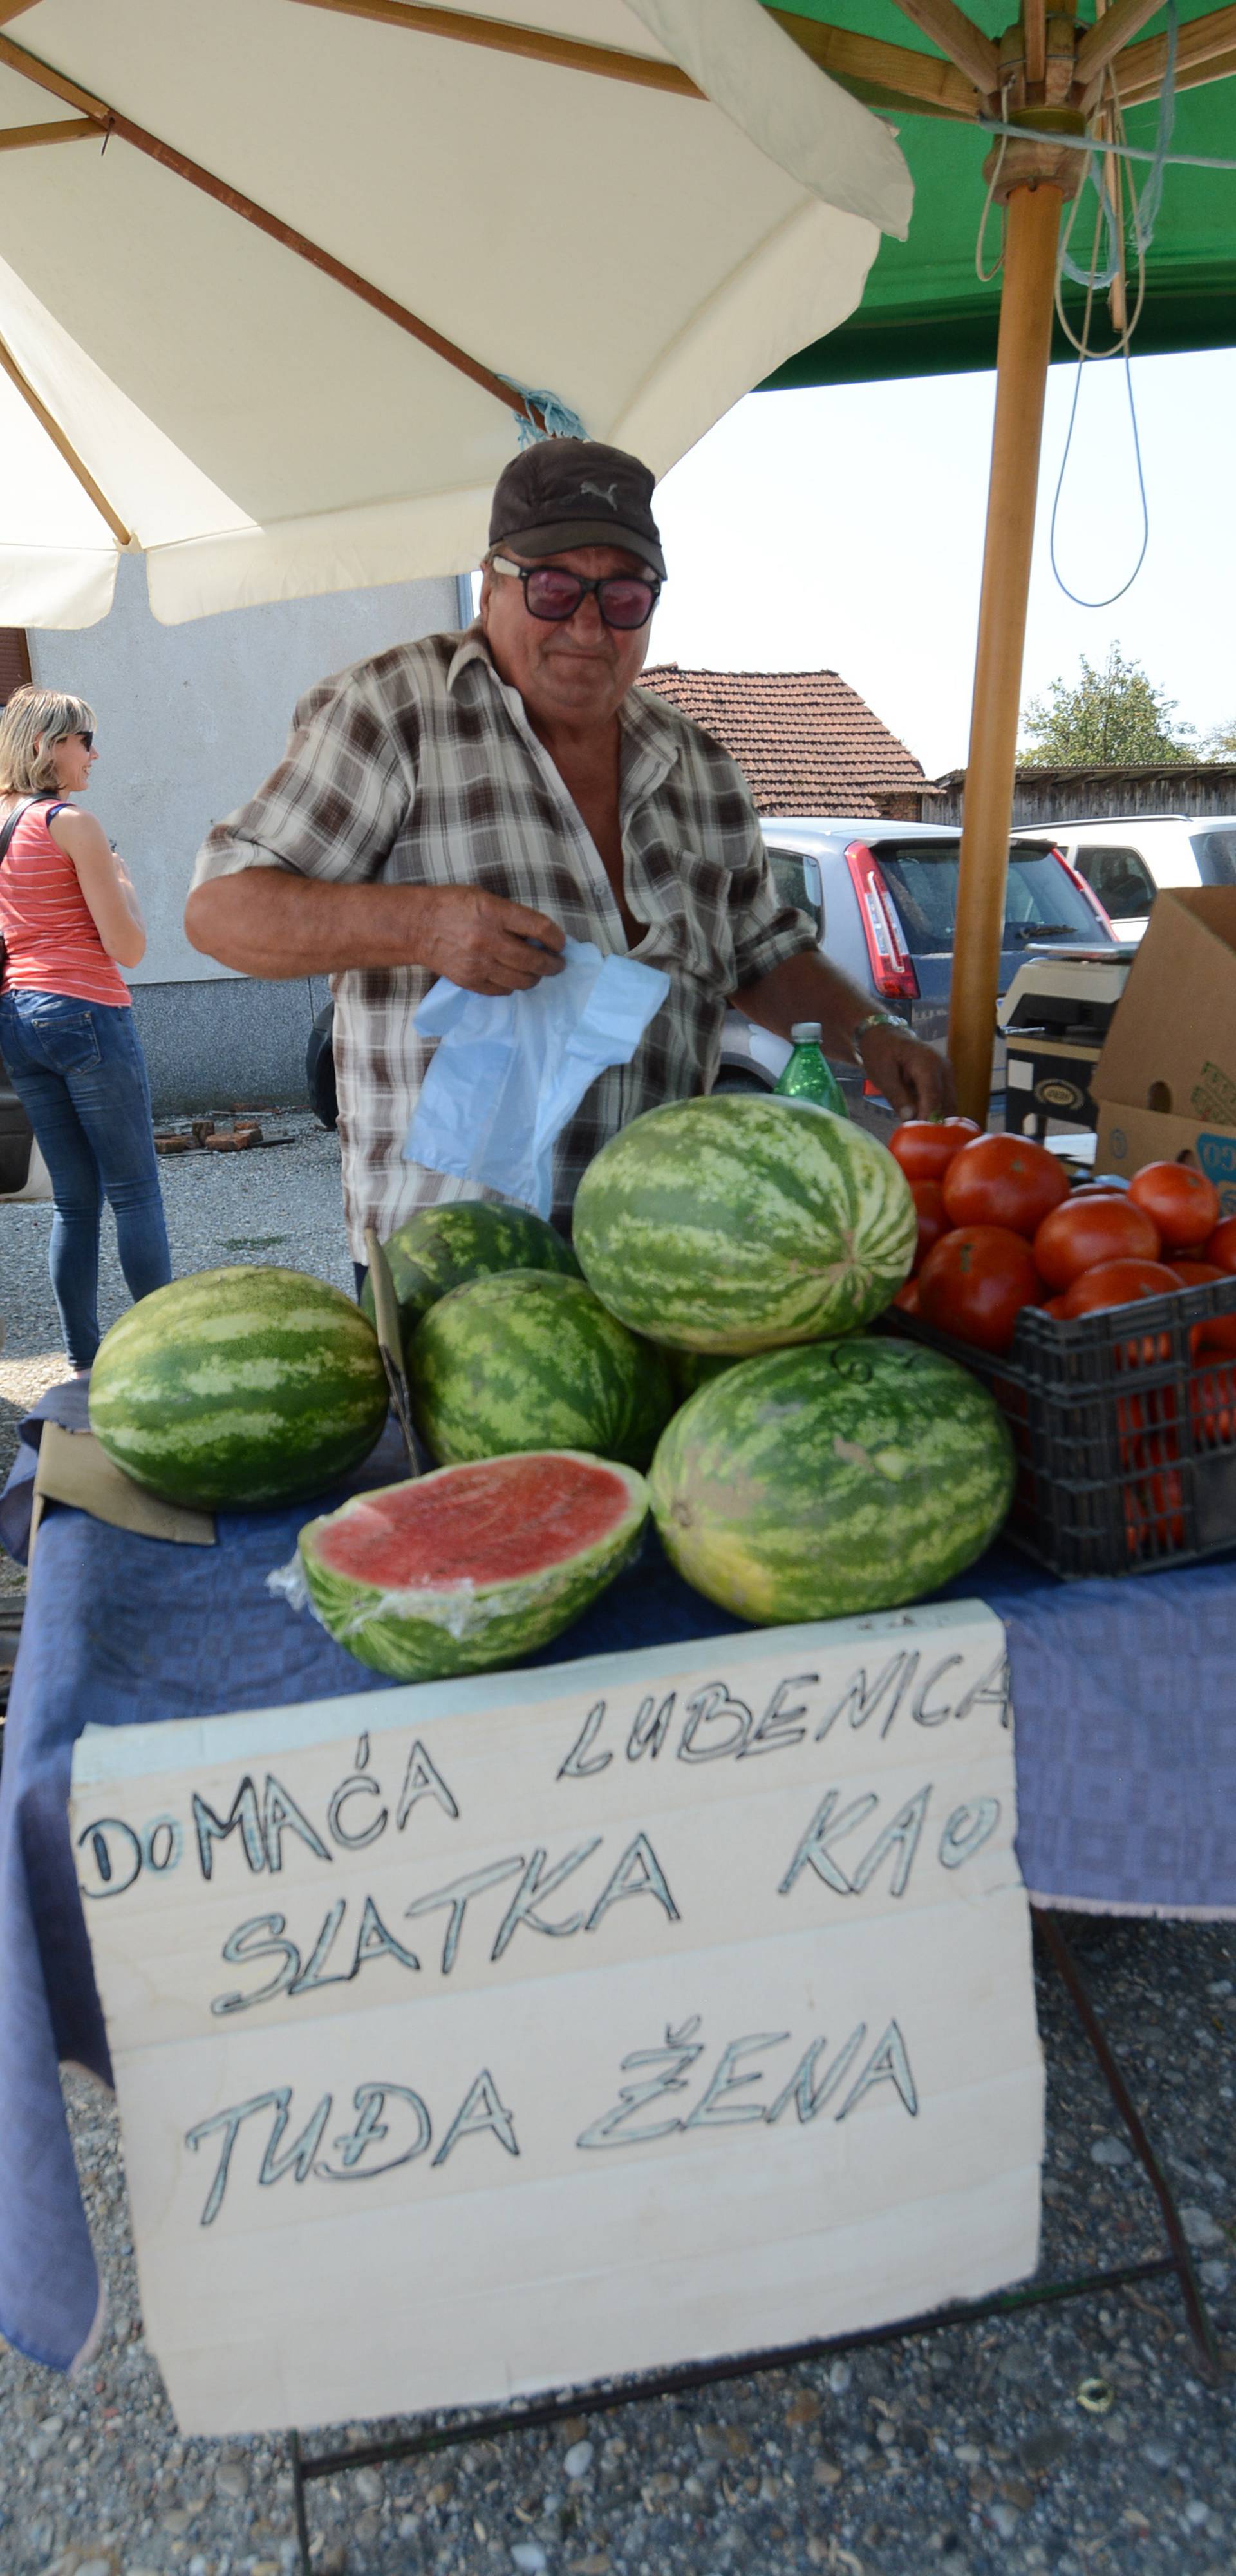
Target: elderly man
x=457, y=806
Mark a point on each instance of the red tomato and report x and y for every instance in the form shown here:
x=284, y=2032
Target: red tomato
x=1217, y=1332
x=907, y=1297
x=1056, y=1306
x=1147, y=1427
x=975, y=1283
x=1153, y=1514
x=1212, y=1403
x=925, y=1147
x=933, y=1221
x=1081, y=1232
x=1183, y=1203
x=1118, y=1283
x=1006, y=1181
x=1221, y=1245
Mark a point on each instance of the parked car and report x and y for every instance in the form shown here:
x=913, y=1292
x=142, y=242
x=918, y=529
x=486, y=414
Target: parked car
x=1125, y=858
x=883, y=897
x=23, y=1172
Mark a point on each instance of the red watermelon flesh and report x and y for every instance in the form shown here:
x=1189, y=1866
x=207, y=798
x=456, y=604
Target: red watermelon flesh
x=486, y=1523
x=475, y=1565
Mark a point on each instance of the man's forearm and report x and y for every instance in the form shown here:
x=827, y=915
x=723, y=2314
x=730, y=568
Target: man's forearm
x=268, y=922
x=808, y=988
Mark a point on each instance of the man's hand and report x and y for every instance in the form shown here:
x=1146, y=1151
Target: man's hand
x=910, y=1074
x=485, y=943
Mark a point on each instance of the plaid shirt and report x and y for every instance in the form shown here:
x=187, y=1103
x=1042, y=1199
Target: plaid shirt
x=420, y=767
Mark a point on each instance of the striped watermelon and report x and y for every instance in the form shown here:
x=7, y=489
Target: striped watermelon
x=527, y=1361
x=811, y=1484
x=740, y=1223
x=441, y=1248
x=236, y=1387
x=473, y=1565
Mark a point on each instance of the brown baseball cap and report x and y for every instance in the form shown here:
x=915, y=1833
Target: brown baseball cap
x=565, y=492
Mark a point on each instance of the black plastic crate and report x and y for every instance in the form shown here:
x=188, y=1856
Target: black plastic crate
x=1126, y=1445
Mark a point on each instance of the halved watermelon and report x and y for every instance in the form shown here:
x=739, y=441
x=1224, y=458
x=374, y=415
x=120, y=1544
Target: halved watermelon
x=474, y=1565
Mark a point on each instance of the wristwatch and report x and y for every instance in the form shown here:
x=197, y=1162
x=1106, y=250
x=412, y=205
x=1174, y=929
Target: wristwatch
x=877, y=1020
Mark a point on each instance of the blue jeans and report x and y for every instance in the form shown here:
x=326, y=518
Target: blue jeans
x=80, y=1075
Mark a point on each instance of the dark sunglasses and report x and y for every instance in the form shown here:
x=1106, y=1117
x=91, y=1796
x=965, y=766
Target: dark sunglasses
x=86, y=738
x=626, y=600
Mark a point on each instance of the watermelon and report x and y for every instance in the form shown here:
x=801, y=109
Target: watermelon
x=740, y=1223
x=692, y=1369
x=441, y=1248
x=472, y=1565
x=527, y=1361
x=812, y=1484
x=239, y=1386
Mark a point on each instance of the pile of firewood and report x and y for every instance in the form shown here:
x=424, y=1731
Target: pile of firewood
x=202, y=1136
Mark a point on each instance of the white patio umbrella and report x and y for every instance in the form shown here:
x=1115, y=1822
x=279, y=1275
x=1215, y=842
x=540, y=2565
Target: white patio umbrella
x=273, y=272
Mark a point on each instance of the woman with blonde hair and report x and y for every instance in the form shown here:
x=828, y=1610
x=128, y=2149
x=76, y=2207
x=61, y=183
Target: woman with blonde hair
x=69, y=919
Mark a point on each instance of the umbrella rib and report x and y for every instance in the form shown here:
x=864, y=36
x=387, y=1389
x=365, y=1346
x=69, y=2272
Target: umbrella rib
x=13, y=9
x=502, y=37
x=8, y=362
x=1200, y=48
x=913, y=80
x=1102, y=42
x=959, y=38
x=67, y=129
x=110, y=121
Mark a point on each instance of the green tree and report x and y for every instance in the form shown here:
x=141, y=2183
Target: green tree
x=1105, y=719
x=1221, y=744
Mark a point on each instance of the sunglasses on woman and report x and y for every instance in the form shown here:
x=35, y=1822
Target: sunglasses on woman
x=626, y=600
x=86, y=739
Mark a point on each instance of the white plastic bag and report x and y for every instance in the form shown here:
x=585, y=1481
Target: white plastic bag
x=511, y=1069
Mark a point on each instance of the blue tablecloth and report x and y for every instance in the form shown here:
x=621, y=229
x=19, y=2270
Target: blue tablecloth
x=1126, y=1767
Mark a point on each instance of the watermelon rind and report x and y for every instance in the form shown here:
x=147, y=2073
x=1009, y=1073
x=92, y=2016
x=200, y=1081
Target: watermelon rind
x=446, y=1246
x=428, y=1634
x=823, y=1482
x=239, y=1387
x=739, y=1223
x=527, y=1361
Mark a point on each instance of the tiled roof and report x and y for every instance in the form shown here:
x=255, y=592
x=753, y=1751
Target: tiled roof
x=806, y=740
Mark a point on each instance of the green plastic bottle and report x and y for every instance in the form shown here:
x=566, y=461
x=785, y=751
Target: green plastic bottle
x=809, y=1075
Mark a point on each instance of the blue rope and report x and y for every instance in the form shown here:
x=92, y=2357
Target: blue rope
x=1078, y=601
x=1145, y=209
x=560, y=421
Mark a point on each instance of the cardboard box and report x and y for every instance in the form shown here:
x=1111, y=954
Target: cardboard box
x=1048, y=1077
x=1166, y=1079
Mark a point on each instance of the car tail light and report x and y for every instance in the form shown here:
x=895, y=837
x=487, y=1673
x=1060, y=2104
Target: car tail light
x=892, y=970
x=1079, y=882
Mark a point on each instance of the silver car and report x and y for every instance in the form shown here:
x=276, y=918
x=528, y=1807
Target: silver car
x=884, y=900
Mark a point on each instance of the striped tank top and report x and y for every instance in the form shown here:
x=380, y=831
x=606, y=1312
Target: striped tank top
x=51, y=944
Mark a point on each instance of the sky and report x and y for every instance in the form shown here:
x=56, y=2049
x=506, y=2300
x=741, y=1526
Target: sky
x=841, y=529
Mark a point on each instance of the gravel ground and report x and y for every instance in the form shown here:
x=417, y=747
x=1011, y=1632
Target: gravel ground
x=1062, y=2441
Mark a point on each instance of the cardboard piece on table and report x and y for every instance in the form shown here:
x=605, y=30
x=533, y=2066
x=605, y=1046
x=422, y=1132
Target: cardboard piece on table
x=773, y=2073
x=1166, y=1079
x=390, y=1342
x=72, y=1468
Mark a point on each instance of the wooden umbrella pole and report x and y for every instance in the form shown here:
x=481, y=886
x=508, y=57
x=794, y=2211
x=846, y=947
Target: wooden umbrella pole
x=1026, y=302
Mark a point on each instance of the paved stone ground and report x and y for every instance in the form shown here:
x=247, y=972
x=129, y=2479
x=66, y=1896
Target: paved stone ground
x=1077, y=2440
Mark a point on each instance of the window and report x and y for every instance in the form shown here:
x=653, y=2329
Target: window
x=1121, y=880
x=1215, y=853
x=797, y=881
x=1042, y=901
x=14, y=660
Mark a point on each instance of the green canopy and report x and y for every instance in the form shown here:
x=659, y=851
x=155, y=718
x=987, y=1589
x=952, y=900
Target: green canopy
x=925, y=311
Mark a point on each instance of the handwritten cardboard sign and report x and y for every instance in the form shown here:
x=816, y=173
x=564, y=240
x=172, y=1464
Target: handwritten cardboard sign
x=500, y=2034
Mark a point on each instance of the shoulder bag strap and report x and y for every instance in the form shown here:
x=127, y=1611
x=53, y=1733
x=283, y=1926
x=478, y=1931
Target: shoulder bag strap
x=11, y=821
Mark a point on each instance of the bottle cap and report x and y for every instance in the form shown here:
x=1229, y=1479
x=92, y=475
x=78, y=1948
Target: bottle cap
x=806, y=1033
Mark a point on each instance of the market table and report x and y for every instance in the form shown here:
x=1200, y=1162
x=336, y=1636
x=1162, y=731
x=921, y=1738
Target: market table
x=1126, y=1767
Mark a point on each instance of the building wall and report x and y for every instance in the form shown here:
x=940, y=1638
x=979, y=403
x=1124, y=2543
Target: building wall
x=190, y=720
x=1045, y=796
